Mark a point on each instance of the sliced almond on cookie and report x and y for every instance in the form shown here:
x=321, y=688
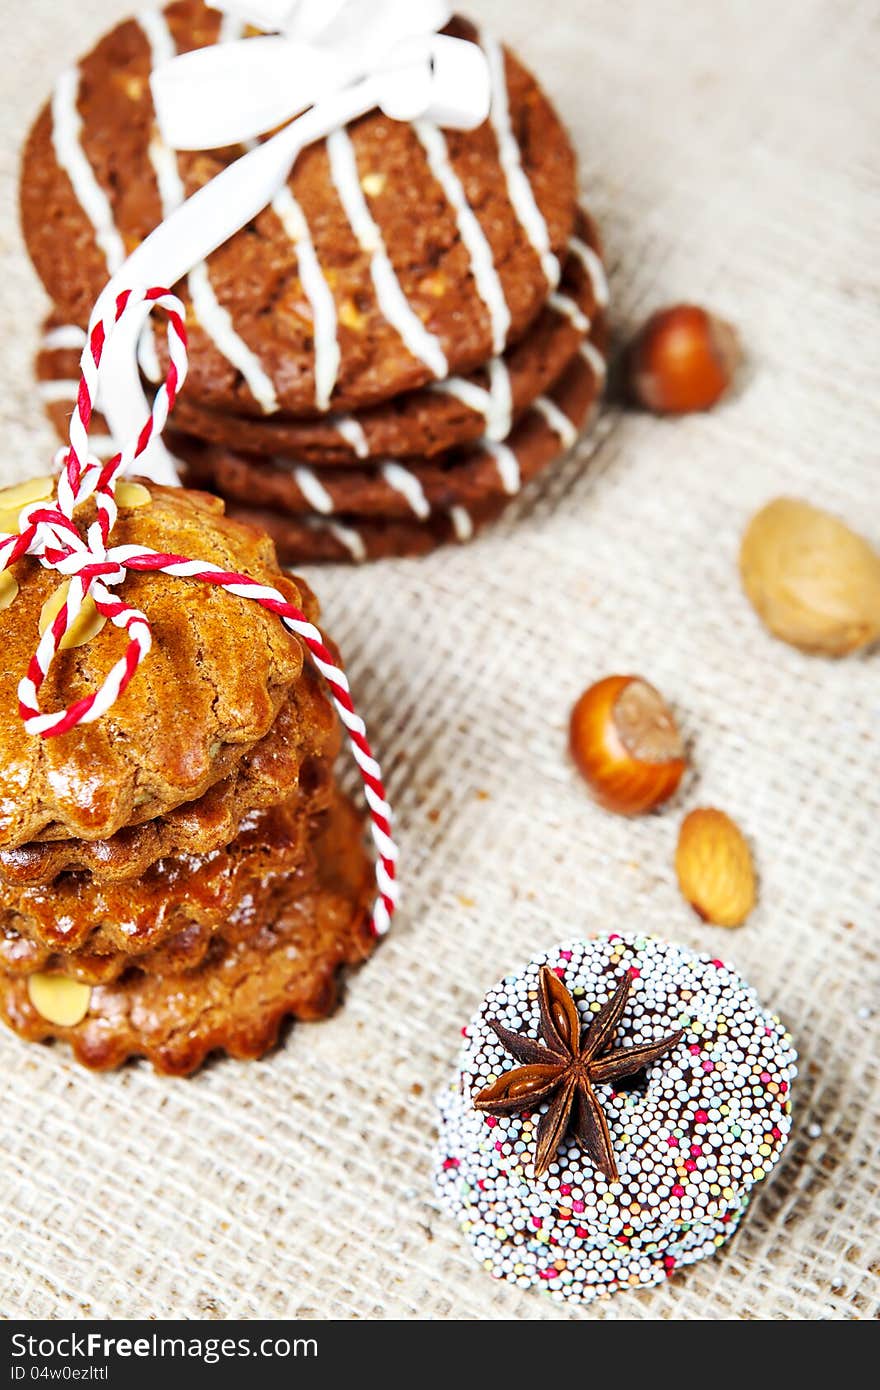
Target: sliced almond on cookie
x=59, y=1000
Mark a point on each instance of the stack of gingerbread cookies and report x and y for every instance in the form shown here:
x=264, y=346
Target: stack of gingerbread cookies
x=182, y=874
x=410, y=331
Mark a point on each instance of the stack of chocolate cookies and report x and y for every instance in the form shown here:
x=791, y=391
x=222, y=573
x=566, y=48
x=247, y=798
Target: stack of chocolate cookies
x=402, y=339
x=182, y=874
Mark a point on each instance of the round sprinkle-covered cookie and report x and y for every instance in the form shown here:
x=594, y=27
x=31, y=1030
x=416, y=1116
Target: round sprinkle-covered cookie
x=616, y=1102
x=397, y=254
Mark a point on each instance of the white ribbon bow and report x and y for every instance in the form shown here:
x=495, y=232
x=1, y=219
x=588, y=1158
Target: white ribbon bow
x=332, y=60
x=231, y=92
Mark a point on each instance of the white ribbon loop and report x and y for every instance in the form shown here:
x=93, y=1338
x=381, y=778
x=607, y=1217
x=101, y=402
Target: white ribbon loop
x=447, y=84
x=230, y=93
x=233, y=92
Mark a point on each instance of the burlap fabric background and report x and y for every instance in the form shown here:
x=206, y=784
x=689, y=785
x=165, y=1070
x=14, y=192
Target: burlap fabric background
x=730, y=152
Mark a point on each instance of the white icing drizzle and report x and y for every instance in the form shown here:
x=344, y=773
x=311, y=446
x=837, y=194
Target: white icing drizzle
x=594, y=268
x=217, y=323
x=210, y=313
x=462, y=523
x=564, y=304
x=350, y=539
x=57, y=390
x=393, y=304
x=486, y=277
x=522, y=197
x=313, y=490
x=409, y=487
x=507, y=464
x=168, y=180
x=66, y=140
x=557, y=420
x=495, y=405
x=72, y=158
x=593, y=357
x=473, y=396
x=158, y=36
x=164, y=161
x=499, y=420
x=66, y=335
x=352, y=431
x=316, y=291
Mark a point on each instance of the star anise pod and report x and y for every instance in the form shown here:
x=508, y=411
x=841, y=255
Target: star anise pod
x=566, y=1071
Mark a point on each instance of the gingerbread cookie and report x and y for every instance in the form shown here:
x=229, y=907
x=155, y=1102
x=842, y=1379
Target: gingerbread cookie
x=396, y=254
x=219, y=880
x=78, y=914
x=297, y=754
x=238, y=997
x=239, y=662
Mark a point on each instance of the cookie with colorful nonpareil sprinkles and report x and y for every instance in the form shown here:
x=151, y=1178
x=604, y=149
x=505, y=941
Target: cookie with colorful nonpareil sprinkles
x=616, y=1102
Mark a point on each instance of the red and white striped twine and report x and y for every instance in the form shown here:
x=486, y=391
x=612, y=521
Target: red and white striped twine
x=48, y=532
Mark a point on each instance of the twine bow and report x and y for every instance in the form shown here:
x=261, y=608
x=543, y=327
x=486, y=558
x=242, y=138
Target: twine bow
x=48, y=532
x=332, y=60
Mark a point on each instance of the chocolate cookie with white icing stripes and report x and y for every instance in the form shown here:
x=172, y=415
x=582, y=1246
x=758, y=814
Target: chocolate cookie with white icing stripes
x=410, y=489
x=419, y=423
x=413, y=514
x=318, y=540
x=433, y=419
x=396, y=254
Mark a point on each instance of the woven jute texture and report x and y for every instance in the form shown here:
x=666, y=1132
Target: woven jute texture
x=729, y=151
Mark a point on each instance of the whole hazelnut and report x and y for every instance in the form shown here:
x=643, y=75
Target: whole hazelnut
x=626, y=744
x=683, y=359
